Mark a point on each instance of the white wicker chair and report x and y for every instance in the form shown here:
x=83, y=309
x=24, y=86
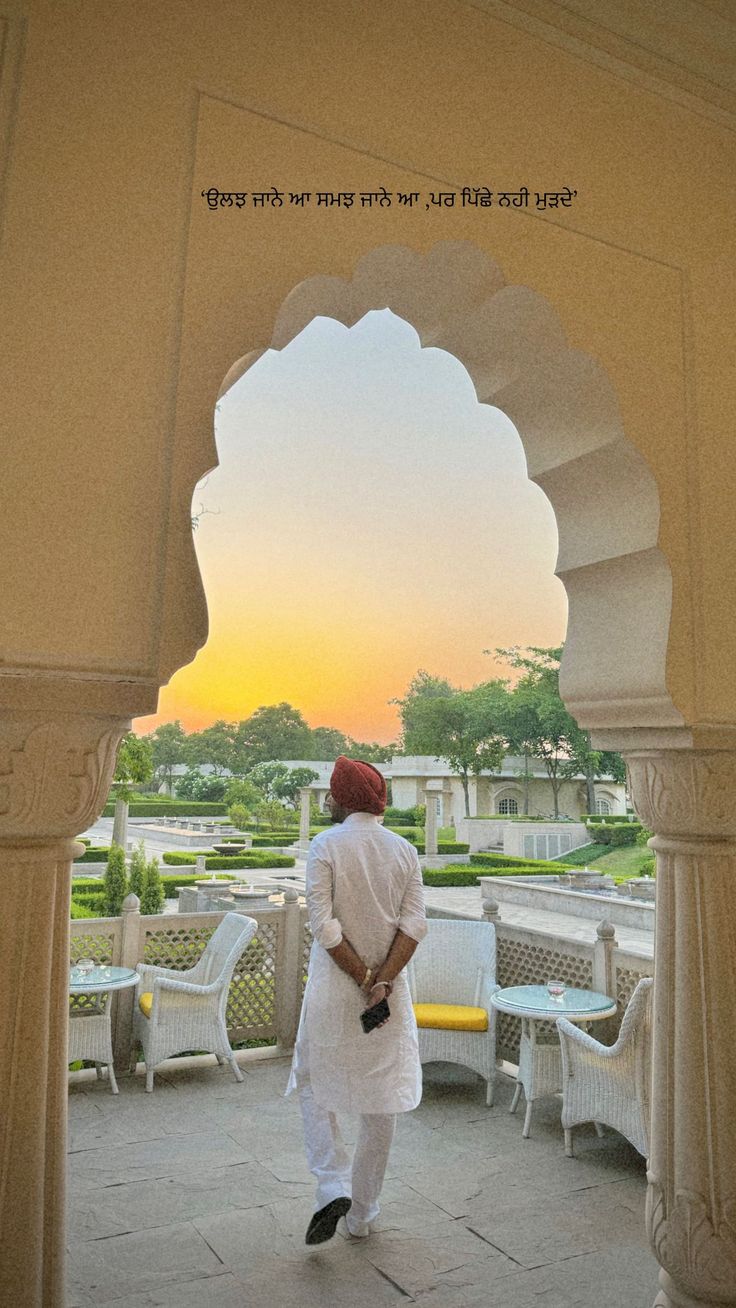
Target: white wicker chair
x=610, y=1084
x=456, y=964
x=187, y=1010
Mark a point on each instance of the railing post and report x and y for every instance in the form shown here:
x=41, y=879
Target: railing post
x=604, y=975
x=122, y=1036
x=290, y=990
x=491, y=910
x=604, y=978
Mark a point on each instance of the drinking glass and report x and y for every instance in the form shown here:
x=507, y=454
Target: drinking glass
x=556, y=990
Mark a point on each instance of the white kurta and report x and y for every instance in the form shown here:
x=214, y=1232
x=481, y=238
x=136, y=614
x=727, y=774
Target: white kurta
x=363, y=882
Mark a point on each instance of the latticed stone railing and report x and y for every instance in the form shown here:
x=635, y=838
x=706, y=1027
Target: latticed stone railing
x=267, y=987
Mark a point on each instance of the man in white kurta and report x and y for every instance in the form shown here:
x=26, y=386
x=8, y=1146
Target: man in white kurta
x=366, y=910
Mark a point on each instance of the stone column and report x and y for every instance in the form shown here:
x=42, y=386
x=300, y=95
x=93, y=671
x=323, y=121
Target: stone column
x=688, y=798
x=55, y=771
x=430, y=826
x=305, y=795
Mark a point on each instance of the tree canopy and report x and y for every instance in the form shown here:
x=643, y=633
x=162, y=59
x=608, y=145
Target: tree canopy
x=464, y=726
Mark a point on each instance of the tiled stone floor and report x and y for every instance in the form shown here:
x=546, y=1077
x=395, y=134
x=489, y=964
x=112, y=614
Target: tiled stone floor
x=198, y=1197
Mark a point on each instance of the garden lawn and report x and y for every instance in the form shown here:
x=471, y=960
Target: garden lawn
x=622, y=863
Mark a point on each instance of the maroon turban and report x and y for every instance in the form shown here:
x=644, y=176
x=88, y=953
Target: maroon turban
x=358, y=785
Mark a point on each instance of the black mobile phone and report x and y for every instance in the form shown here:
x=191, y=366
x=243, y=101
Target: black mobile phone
x=370, y=1017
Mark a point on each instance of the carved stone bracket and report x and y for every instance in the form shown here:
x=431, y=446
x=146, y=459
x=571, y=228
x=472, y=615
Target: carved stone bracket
x=55, y=772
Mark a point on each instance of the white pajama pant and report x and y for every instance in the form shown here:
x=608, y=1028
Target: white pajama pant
x=330, y=1164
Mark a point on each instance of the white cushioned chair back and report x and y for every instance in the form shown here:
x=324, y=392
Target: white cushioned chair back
x=226, y=944
x=447, y=963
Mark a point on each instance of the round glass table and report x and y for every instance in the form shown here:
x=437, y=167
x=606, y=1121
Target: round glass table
x=90, y=1030
x=540, y=1066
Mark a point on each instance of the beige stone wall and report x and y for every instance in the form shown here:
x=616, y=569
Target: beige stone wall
x=125, y=301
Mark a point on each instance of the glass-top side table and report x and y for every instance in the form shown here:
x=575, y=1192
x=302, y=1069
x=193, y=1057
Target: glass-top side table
x=540, y=1064
x=90, y=1032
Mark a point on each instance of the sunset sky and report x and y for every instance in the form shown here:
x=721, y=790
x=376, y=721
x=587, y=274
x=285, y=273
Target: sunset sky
x=368, y=518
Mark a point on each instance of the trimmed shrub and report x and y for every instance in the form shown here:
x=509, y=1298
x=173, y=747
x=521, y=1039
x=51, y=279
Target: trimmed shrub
x=94, y=854
x=225, y=862
x=273, y=842
x=506, y=863
x=115, y=881
x=615, y=834
x=404, y=817
x=648, y=867
x=239, y=816
x=530, y=870
x=138, y=870
x=170, y=808
x=152, y=899
x=450, y=876
x=80, y=910
x=444, y=847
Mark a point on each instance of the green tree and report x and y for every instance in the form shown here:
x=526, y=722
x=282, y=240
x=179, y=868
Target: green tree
x=423, y=686
x=538, y=724
x=195, y=785
x=327, y=743
x=243, y=792
x=169, y=748
x=134, y=765
x=137, y=870
x=272, y=813
x=371, y=751
x=152, y=899
x=274, y=731
x=287, y=789
x=465, y=727
x=267, y=777
x=215, y=745
x=115, y=881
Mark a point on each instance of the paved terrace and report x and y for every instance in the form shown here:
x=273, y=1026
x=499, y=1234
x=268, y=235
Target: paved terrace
x=198, y=1195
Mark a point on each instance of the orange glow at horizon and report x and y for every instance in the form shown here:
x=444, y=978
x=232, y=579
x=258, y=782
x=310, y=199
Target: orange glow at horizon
x=368, y=518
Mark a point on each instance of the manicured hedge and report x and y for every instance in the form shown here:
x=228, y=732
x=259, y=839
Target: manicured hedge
x=522, y=870
x=224, y=862
x=614, y=834
x=450, y=876
x=170, y=808
x=94, y=854
x=503, y=861
x=444, y=847
x=83, y=910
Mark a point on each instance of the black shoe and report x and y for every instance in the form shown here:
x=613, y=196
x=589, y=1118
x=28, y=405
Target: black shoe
x=324, y=1223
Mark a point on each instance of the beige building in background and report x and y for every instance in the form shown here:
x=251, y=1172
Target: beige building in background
x=496, y=792
x=603, y=327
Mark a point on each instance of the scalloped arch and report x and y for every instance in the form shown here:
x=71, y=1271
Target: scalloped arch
x=563, y=406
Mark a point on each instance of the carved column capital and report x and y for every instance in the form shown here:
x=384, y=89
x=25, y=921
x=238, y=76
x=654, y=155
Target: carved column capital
x=55, y=772
x=685, y=793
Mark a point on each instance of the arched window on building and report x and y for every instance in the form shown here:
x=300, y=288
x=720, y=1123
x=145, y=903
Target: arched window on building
x=603, y=807
x=508, y=806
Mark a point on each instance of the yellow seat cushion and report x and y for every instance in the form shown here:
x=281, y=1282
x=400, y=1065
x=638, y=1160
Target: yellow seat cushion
x=145, y=1003
x=451, y=1017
